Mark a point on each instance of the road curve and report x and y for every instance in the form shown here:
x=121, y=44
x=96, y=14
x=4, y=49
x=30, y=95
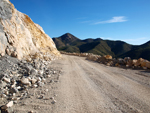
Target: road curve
x=90, y=87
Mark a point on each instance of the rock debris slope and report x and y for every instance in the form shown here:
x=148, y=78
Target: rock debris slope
x=23, y=82
x=20, y=36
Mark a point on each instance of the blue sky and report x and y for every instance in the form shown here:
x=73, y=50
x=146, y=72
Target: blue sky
x=126, y=20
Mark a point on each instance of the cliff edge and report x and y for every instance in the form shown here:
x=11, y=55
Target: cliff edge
x=20, y=37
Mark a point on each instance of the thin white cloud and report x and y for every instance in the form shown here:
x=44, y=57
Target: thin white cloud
x=113, y=20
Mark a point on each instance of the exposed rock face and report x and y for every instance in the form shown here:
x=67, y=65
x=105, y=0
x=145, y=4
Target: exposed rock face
x=20, y=36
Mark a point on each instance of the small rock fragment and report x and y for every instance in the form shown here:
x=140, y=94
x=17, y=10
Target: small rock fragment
x=25, y=81
x=51, y=81
x=54, y=101
x=46, y=90
x=39, y=79
x=43, y=79
x=54, y=72
x=40, y=72
x=33, y=71
x=35, y=86
x=10, y=104
x=7, y=80
x=40, y=83
x=30, y=112
x=52, y=98
x=14, y=90
x=33, y=80
x=48, y=76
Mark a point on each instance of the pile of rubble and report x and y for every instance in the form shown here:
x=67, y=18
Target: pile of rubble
x=17, y=76
x=110, y=61
x=127, y=62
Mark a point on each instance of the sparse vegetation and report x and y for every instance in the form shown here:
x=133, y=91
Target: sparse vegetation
x=70, y=43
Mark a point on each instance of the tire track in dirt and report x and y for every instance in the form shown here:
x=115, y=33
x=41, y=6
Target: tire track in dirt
x=88, y=87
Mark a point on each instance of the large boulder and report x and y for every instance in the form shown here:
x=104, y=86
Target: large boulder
x=128, y=61
x=20, y=36
x=107, y=59
x=93, y=57
x=148, y=65
x=108, y=56
x=139, y=61
x=134, y=61
x=143, y=63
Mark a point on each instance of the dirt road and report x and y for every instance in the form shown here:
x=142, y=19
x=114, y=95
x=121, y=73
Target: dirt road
x=82, y=86
x=89, y=87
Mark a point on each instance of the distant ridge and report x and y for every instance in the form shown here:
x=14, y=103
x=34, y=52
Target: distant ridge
x=70, y=43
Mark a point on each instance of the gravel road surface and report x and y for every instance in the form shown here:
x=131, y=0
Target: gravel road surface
x=90, y=87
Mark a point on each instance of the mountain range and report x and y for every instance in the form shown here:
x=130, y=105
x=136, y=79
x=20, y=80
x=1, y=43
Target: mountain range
x=118, y=49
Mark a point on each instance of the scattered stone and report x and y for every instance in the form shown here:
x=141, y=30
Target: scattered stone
x=35, y=86
x=48, y=76
x=19, y=75
x=13, y=90
x=33, y=80
x=30, y=112
x=52, y=98
x=51, y=81
x=40, y=83
x=41, y=97
x=40, y=72
x=29, y=78
x=39, y=79
x=46, y=90
x=19, y=87
x=45, y=98
x=43, y=79
x=7, y=80
x=54, y=72
x=54, y=101
x=25, y=81
x=33, y=72
x=10, y=104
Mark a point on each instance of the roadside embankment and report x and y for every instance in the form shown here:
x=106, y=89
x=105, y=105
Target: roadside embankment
x=110, y=61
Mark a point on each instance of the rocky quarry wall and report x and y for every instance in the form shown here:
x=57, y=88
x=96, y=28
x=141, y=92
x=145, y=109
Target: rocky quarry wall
x=25, y=55
x=20, y=37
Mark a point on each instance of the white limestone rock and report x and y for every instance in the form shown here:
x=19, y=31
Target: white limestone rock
x=7, y=80
x=8, y=105
x=25, y=81
x=20, y=36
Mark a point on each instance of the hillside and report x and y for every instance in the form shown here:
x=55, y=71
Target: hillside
x=142, y=51
x=70, y=43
